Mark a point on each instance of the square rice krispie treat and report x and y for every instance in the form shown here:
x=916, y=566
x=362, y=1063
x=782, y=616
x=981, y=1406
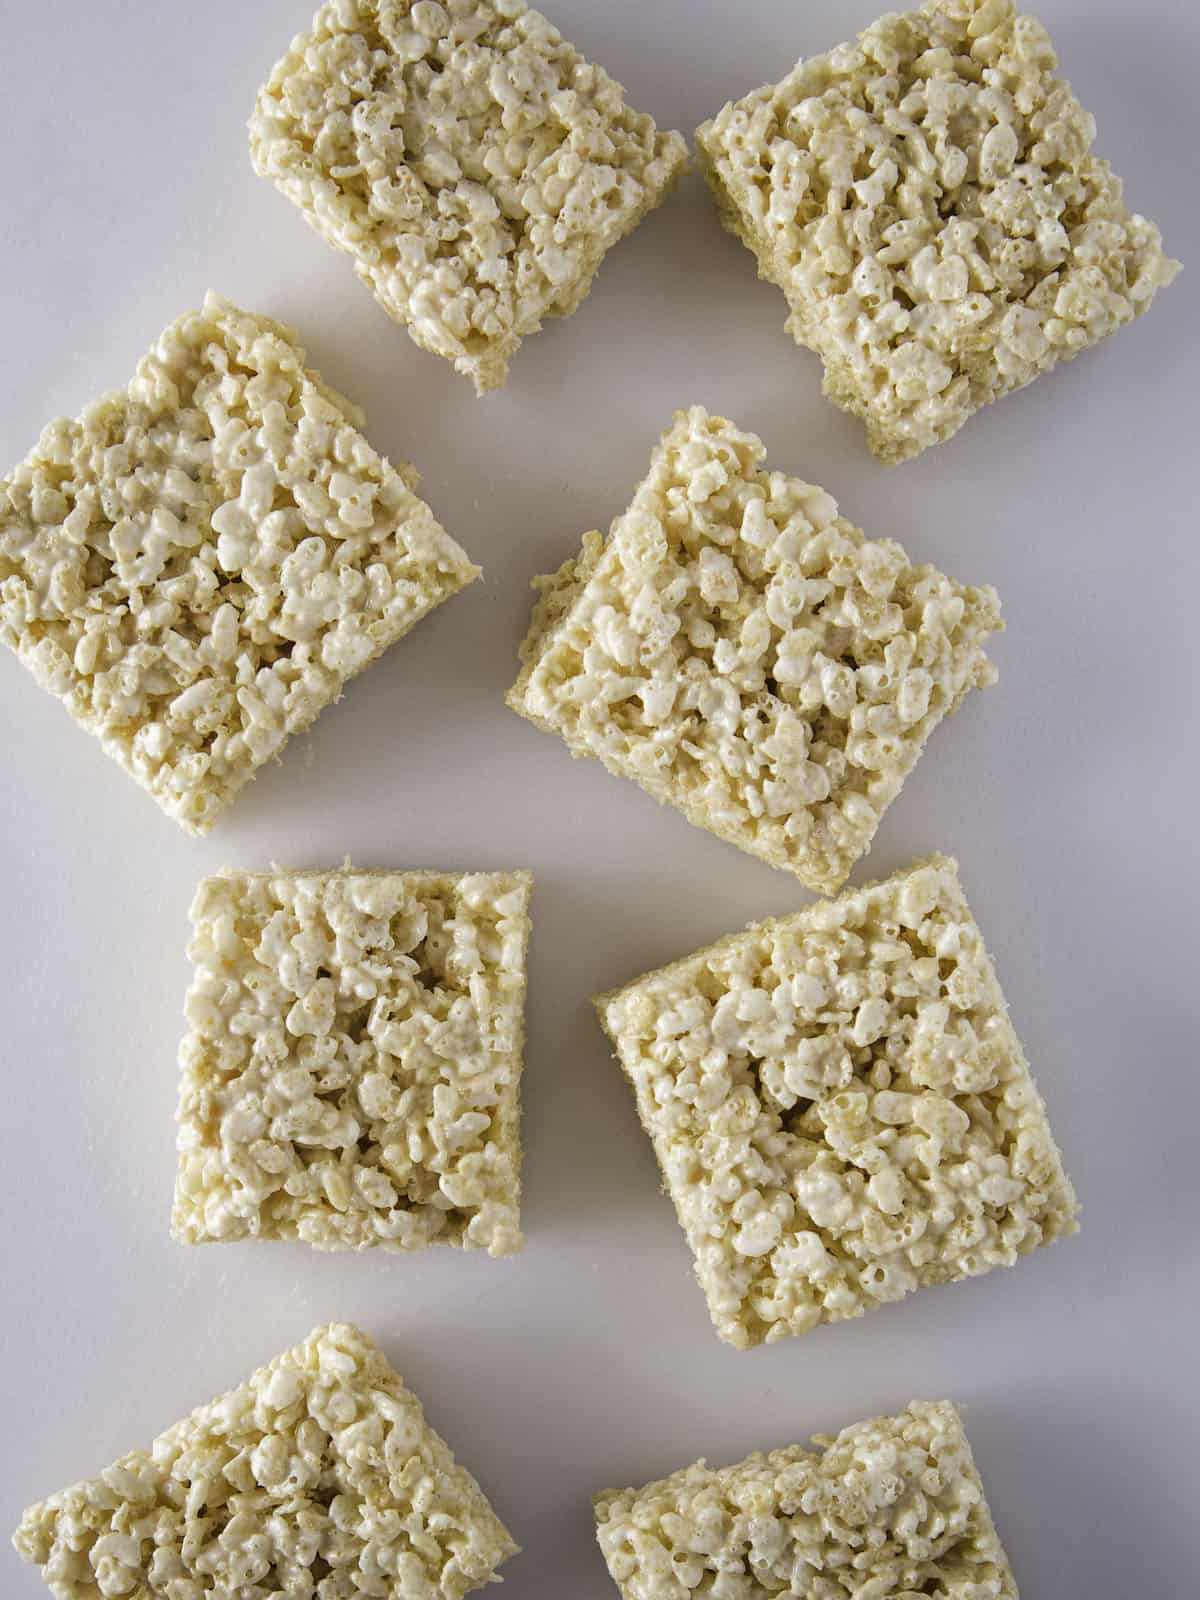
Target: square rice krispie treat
x=747, y=655
x=351, y=1074
x=889, y=1508
x=198, y=564
x=928, y=200
x=474, y=166
x=318, y=1476
x=840, y=1107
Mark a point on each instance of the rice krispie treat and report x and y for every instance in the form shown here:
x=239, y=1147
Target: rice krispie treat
x=198, y=564
x=841, y=1109
x=928, y=200
x=318, y=1476
x=747, y=655
x=889, y=1509
x=474, y=166
x=351, y=1073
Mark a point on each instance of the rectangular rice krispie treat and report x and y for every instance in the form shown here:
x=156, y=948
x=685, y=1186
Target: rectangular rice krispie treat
x=888, y=1508
x=840, y=1107
x=472, y=164
x=198, y=565
x=351, y=1074
x=748, y=656
x=318, y=1476
x=928, y=200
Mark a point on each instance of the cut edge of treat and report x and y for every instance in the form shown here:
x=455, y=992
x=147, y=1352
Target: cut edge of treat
x=557, y=593
x=455, y=584
x=945, y=865
x=489, y=371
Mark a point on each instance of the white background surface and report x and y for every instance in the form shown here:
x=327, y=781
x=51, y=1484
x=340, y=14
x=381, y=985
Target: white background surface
x=1069, y=794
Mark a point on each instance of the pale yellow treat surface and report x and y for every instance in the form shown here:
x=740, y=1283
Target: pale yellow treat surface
x=841, y=1109
x=475, y=167
x=318, y=1477
x=744, y=653
x=351, y=1072
x=199, y=563
x=890, y=1509
x=928, y=200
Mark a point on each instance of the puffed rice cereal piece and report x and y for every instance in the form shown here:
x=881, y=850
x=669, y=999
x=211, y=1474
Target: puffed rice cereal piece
x=198, y=565
x=351, y=1072
x=840, y=1107
x=745, y=654
x=889, y=1509
x=928, y=201
x=473, y=165
x=318, y=1477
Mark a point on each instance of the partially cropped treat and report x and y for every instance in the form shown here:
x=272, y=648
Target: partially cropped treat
x=928, y=200
x=198, y=565
x=841, y=1109
x=318, y=1477
x=890, y=1509
x=749, y=656
x=472, y=164
x=351, y=1073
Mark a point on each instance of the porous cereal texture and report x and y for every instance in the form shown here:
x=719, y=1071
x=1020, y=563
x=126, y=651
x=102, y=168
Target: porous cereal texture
x=928, y=201
x=318, y=1477
x=841, y=1109
x=748, y=656
x=889, y=1509
x=351, y=1071
x=198, y=564
x=474, y=166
